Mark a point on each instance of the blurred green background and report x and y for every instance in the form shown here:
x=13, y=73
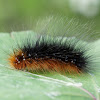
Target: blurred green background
x=18, y=15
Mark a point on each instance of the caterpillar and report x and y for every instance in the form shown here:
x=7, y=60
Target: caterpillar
x=47, y=53
x=51, y=54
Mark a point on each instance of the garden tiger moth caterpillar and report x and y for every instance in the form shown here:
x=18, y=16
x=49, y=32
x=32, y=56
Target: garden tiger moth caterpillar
x=52, y=54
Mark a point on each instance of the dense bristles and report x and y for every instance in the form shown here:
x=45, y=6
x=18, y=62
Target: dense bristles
x=55, y=55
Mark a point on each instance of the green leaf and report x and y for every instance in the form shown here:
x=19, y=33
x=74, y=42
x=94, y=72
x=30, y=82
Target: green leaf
x=21, y=85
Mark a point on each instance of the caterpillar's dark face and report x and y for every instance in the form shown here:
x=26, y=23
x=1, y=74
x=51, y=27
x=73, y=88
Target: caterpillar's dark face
x=18, y=60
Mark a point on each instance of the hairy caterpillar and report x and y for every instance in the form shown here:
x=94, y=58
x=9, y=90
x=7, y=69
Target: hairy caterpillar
x=47, y=53
x=52, y=53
